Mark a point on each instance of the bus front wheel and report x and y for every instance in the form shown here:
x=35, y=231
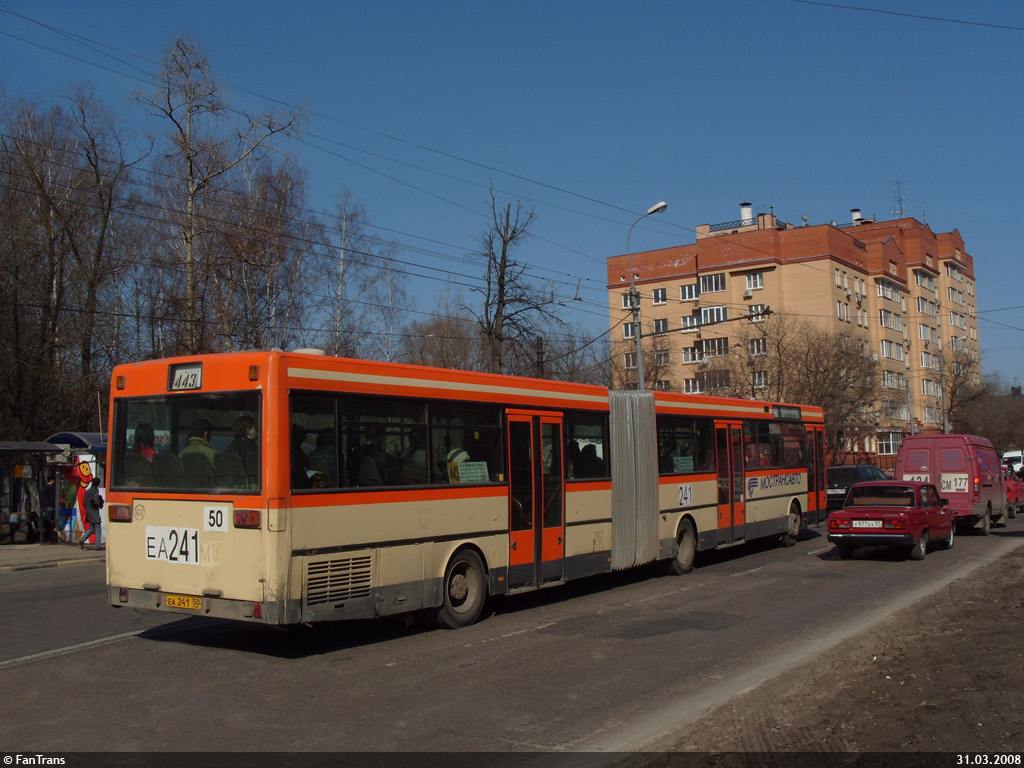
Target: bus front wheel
x=792, y=533
x=464, y=591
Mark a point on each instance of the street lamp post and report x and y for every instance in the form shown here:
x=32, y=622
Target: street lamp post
x=634, y=297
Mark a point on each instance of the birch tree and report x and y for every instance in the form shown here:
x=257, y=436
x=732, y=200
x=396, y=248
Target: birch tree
x=206, y=141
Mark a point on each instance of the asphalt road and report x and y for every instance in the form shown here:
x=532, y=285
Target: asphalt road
x=610, y=664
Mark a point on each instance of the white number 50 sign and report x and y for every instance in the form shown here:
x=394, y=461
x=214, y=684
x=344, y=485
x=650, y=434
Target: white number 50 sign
x=216, y=518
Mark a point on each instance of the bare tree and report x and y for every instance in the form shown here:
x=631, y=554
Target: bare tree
x=66, y=171
x=449, y=339
x=271, y=247
x=572, y=353
x=341, y=274
x=512, y=307
x=995, y=415
x=202, y=151
x=962, y=388
x=789, y=359
x=387, y=299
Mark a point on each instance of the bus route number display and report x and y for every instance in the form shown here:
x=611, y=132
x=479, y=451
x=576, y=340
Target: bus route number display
x=186, y=376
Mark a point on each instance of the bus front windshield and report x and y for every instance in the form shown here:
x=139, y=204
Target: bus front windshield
x=197, y=442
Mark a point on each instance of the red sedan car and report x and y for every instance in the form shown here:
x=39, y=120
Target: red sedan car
x=907, y=515
x=1014, y=492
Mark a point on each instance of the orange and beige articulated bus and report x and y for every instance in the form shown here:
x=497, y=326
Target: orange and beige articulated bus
x=287, y=488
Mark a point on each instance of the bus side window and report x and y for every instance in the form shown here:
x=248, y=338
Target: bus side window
x=313, y=440
x=586, y=446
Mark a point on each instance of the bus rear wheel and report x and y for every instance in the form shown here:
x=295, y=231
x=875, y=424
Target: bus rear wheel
x=464, y=591
x=686, y=551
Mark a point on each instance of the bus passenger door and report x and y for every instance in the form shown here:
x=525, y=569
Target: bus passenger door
x=814, y=452
x=729, y=455
x=536, y=500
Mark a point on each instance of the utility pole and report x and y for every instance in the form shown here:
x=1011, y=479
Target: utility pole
x=910, y=409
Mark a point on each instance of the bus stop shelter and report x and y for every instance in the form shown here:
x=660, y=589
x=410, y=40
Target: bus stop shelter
x=82, y=456
x=23, y=464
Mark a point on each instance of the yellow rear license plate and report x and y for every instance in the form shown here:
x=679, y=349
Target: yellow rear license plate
x=184, y=601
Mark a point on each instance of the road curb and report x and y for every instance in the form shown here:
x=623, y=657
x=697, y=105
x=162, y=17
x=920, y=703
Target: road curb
x=52, y=564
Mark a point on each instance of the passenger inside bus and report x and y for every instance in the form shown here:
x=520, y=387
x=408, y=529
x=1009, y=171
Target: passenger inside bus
x=244, y=442
x=324, y=458
x=144, y=441
x=413, y=463
x=299, y=462
x=375, y=461
x=199, y=440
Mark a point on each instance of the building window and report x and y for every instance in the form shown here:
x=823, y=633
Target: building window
x=691, y=355
x=839, y=280
x=626, y=303
x=690, y=322
x=889, y=443
x=713, y=380
x=892, y=350
x=710, y=315
x=630, y=361
x=932, y=415
x=888, y=290
x=756, y=313
x=758, y=346
x=661, y=325
x=660, y=295
x=690, y=386
x=661, y=357
x=688, y=292
x=662, y=385
x=712, y=283
x=755, y=280
x=893, y=380
x=628, y=331
x=889, y=319
x=924, y=280
x=715, y=347
x=759, y=379
x=895, y=410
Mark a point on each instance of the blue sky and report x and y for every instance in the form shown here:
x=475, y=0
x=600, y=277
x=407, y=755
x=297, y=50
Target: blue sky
x=591, y=112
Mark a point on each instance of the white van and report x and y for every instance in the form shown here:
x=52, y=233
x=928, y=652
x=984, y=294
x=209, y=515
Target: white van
x=1013, y=459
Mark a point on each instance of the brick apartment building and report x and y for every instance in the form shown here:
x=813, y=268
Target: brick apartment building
x=891, y=289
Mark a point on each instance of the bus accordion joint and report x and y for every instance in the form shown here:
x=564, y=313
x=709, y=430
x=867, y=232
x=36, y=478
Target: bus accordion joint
x=247, y=518
x=119, y=513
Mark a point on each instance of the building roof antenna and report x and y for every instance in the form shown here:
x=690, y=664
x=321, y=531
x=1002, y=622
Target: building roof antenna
x=899, y=198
